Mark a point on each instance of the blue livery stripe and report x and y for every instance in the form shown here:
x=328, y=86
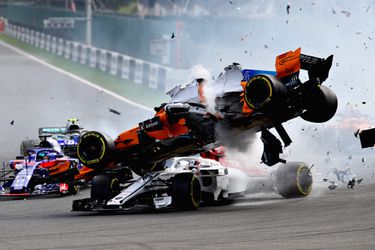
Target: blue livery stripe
x=250, y=73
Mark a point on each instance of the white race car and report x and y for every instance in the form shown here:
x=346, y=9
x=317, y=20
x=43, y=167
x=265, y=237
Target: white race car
x=185, y=183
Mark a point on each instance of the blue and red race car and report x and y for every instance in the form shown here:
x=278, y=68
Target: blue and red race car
x=43, y=171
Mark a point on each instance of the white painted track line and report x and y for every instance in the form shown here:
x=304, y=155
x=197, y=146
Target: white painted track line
x=80, y=79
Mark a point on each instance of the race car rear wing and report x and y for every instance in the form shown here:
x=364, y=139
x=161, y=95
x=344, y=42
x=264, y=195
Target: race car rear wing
x=290, y=63
x=51, y=131
x=316, y=67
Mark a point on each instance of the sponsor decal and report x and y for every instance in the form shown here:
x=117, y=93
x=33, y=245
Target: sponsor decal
x=151, y=124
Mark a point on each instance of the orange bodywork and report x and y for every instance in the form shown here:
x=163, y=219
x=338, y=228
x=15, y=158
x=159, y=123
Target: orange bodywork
x=288, y=63
x=84, y=173
x=130, y=137
x=246, y=110
x=56, y=166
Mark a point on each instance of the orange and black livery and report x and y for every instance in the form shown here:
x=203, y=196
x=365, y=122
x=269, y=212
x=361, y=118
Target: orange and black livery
x=244, y=99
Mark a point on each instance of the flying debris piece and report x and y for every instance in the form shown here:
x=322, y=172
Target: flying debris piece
x=358, y=32
x=287, y=9
x=266, y=46
x=347, y=13
x=359, y=181
x=351, y=183
x=172, y=36
x=369, y=38
x=12, y=122
x=356, y=133
x=311, y=166
x=325, y=179
x=367, y=9
x=333, y=185
x=333, y=11
x=363, y=159
x=230, y=2
x=245, y=51
x=328, y=152
x=114, y=111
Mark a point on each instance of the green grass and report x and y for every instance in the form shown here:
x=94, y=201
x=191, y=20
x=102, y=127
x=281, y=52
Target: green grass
x=129, y=9
x=135, y=92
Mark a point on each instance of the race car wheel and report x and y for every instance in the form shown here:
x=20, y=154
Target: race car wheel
x=293, y=179
x=323, y=108
x=263, y=92
x=104, y=188
x=95, y=150
x=186, y=191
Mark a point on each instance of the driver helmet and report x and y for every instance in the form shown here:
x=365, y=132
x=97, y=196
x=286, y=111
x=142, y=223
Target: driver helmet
x=72, y=125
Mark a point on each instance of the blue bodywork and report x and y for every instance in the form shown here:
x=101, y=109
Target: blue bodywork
x=29, y=168
x=250, y=73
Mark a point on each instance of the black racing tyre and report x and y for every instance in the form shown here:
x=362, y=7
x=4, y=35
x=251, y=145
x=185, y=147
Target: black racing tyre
x=264, y=92
x=293, y=179
x=186, y=191
x=104, y=188
x=27, y=144
x=95, y=150
x=323, y=107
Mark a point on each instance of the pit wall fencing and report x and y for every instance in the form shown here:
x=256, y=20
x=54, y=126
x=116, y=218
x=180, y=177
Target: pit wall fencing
x=138, y=71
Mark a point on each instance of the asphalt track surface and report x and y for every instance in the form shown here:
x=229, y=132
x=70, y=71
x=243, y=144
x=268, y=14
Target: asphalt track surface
x=33, y=95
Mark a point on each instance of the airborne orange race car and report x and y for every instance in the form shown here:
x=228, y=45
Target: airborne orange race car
x=244, y=100
x=204, y=115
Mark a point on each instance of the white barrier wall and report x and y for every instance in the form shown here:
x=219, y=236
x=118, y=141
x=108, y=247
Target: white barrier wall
x=67, y=49
x=114, y=64
x=103, y=60
x=32, y=37
x=60, y=47
x=75, y=54
x=23, y=34
x=153, y=76
x=37, y=39
x=93, y=56
x=48, y=43
x=42, y=41
x=83, y=54
x=125, y=68
x=138, y=72
x=54, y=45
x=27, y=39
x=129, y=68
